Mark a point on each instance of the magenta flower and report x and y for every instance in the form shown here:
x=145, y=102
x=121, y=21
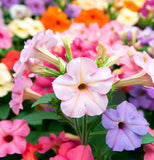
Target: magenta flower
x=83, y=88
x=126, y=127
x=12, y=136
x=5, y=39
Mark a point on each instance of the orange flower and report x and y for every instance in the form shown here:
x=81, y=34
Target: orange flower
x=131, y=5
x=55, y=19
x=92, y=16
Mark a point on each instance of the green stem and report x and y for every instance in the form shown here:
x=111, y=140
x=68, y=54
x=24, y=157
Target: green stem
x=77, y=128
x=84, y=130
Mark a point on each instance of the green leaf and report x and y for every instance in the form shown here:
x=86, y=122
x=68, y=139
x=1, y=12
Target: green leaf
x=148, y=138
x=4, y=111
x=36, y=118
x=46, y=98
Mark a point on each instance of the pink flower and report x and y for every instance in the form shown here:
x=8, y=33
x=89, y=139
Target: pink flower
x=149, y=148
x=79, y=152
x=12, y=136
x=83, y=88
x=5, y=39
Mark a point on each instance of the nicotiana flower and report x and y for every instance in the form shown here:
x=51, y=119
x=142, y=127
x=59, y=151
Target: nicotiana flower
x=12, y=136
x=83, y=88
x=9, y=3
x=142, y=97
x=5, y=39
x=126, y=127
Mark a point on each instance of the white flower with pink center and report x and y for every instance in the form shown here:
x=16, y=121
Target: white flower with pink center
x=83, y=88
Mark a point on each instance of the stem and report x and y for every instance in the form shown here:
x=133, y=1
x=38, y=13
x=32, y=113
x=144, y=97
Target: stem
x=84, y=130
x=77, y=128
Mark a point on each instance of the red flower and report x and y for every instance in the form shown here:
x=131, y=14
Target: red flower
x=10, y=59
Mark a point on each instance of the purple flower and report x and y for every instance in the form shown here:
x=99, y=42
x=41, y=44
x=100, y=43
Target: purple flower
x=147, y=8
x=37, y=7
x=72, y=10
x=142, y=97
x=126, y=127
x=9, y=3
x=146, y=35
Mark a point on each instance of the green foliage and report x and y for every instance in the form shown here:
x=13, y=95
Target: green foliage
x=147, y=138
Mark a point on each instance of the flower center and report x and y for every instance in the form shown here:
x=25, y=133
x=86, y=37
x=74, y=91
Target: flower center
x=8, y=138
x=82, y=86
x=121, y=125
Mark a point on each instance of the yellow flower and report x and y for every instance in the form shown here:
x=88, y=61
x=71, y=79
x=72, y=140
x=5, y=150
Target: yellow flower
x=6, y=83
x=127, y=17
x=91, y=4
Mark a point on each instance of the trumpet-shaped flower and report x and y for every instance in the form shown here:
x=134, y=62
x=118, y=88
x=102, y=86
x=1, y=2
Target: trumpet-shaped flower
x=12, y=136
x=126, y=127
x=83, y=88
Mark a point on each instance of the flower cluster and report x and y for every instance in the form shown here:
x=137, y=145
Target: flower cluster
x=76, y=79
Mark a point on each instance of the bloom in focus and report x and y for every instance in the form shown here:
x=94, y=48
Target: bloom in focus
x=126, y=127
x=83, y=88
x=12, y=136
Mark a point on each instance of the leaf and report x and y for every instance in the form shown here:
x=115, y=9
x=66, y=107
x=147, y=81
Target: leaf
x=4, y=111
x=36, y=118
x=46, y=98
x=148, y=138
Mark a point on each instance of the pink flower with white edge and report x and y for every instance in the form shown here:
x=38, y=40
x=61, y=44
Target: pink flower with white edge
x=83, y=88
x=18, y=93
x=5, y=39
x=12, y=136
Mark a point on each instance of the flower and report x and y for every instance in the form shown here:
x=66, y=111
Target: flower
x=149, y=148
x=18, y=11
x=5, y=80
x=126, y=127
x=37, y=7
x=9, y=3
x=29, y=153
x=83, y=88
x=11, y=58
x=5, y=39
x=127, y=17
x=72, y=11
x=92, y=16
x=53, y=18
x=12, y=136
x=141, y=97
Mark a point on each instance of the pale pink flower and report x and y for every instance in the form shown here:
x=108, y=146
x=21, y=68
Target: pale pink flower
x=12, y=136
x=149, y=148
x=83, y=88
x=5, y=39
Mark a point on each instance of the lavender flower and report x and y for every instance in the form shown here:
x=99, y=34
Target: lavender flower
x=142, y=97
x=72, y=10
x=37, y=7
x=126, y=127
x=9, y=3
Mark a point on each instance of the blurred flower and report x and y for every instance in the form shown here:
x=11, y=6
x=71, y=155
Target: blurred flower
x=9, y=3
x=18, y=11
x=126, y=127
x=127, y=17
x=37, y=7
x=149, y=148
x=142, y=97
x=92, y=16
x=5, y=39
x=72, y=11
x=11, y=58
x=53, y=18
x=1, y=18
x=29, y=153
x=5, y=80
x=12, y=136
x=83, y=88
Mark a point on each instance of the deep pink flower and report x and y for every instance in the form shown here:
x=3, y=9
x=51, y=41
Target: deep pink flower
x=149, y=148
x=12, y=136
x=5, y=39
x=83, y=88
